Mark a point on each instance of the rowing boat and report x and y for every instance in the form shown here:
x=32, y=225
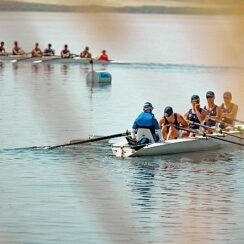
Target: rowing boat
x=180, y=145
x=49, y=59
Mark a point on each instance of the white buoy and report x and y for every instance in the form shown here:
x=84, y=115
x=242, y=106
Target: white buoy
x=98, y=76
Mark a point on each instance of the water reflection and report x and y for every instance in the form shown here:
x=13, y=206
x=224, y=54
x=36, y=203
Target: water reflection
x=2, y=66
x=35, y=68
x=143, y=177
x=64, y=69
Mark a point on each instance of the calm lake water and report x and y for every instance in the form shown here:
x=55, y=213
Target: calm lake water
x=85, y=194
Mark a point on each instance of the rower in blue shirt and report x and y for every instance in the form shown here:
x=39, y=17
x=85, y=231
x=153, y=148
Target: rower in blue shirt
x=147, y=120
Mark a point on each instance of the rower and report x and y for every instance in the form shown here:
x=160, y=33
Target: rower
x=170, y=122
x=49, y=51
x=85, y=53
x=229, y=110
x=103, y=56
x=17, y=50
x=2, y=50
x=36, y=52
x=213, y=111
x=147, y=120
x=195, y=115
x=65, y=53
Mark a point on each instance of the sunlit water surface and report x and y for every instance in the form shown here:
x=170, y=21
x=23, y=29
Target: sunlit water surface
x=85, y=194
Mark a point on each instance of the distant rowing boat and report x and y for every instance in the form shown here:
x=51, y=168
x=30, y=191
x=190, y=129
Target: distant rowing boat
x=50, y=59
x=180, y=145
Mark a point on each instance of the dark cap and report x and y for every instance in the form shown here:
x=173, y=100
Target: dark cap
x=168, y=111
x=195, y=97
x=148, y=105
x=210, y=94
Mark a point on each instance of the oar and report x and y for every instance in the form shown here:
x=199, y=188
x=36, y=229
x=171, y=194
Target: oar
x=25, y=56
x=240, y=121
x=90, y=140
x=212, y=129
x=208, y=135
x=47, y=60
x=20, y=59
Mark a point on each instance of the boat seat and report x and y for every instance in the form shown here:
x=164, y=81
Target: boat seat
x=142, y=132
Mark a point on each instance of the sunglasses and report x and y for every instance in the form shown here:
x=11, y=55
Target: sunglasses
x=209, y=97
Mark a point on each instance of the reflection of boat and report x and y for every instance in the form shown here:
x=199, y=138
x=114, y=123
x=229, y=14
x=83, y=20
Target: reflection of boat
x=54, y=59
x=180, y=145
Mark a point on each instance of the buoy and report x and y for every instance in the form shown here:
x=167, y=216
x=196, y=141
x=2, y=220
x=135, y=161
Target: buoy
x=98, y=76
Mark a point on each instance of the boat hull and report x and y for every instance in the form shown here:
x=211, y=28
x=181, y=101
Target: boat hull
x=181, y=145
x=51, y=59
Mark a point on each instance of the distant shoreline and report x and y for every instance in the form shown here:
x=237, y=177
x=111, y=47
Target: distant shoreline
x=35, y=7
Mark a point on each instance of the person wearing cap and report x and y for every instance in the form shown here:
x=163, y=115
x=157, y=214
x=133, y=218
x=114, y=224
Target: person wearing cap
x=212, y=110
x=229, y=110
x=37, y=52
x=195, y=114
x=170, y=122
x=147, y=120
x=2, y=50
x=103, y=56
x=49, y=51
x=85, y=53
x=65, y=53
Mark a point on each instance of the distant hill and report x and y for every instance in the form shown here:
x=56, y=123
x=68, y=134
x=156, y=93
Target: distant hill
x=21, y=6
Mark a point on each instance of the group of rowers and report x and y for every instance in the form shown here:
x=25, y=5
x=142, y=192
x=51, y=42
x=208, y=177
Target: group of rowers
x=169, y=125
x=49, y=51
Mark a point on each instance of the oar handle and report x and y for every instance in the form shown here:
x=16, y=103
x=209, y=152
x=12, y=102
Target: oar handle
x=240, y=121
x=213, y=129
x=210, y=136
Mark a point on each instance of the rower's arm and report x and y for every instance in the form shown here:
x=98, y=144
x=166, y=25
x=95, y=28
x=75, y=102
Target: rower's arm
x=161, y=121
x=201, y=115
x=182, y=121
x=232, y=114
x=218, y=113
x=186, y=115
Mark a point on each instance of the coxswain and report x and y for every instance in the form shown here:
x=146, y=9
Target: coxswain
x=229, y=110
x=17, y=50
x=85, y=53
x=170, y=123
x=212, y=110
x=65, y=53
x=103, y=56
x=195, y=114
x=2, y=50
x=49, y=51
x=36, y=52
x=147, y=120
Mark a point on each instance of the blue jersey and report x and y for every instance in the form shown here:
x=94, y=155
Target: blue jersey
x=146, y=120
